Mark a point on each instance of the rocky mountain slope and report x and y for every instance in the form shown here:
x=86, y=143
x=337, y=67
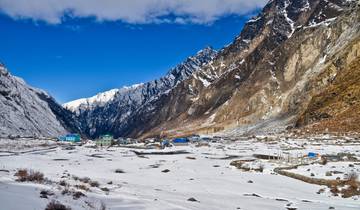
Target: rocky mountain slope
x=110, y=112
x=27, y=111
x=269, y=78
x=337, y=107
x=267, y=74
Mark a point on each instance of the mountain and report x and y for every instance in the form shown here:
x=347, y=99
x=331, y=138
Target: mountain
x=27, y=111
x=110, y=111
x=266, y=78
x=277, y=74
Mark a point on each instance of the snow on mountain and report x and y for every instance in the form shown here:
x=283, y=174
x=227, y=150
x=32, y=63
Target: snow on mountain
x=27, y=111
x=268, y=71
x=174, y=76
x=100, y=113
x=87, y=103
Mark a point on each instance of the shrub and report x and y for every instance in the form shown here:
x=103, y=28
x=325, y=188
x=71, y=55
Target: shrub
x=63, y=183
x=322, y=190
x=55, y=205
x=36, y=176
x=351, y=177
x=77, y=195
x=323, y=161
x=22, y=175
x=82, y=187
x=76, y=178
x=94, y=184
x=29, y=176
x=45, y=193
x=334, y=190
x=346, y=188
x=353, y=186
x=261, y=167
x=66, y=191
x=85, y=179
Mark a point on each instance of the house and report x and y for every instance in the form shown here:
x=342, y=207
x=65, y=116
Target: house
x=122, y=141
x=70, y=138
x=105, y=140
x=132, y=141
x=150, y=141
x=165, y=143
x=312, y=155
x=180, y=141
x=125, y=141
x=194, y=138
x=206, y=139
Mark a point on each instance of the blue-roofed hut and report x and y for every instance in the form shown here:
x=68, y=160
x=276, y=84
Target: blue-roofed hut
x=312, y=155
x=180, y=141
x=70, y=138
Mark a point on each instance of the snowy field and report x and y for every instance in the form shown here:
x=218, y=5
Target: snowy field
x=329, y=171
x=201, y=179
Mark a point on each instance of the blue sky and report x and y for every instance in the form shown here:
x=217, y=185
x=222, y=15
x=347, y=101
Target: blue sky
x=78, y=56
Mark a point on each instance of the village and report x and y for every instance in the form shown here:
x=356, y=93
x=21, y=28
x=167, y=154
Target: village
x=307, y=171
x=108, y=140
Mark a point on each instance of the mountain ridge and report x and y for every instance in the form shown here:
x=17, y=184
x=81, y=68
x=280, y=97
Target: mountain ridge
x=103, y=116
x=262, y=75
x=28, y=111
x=250, y=75
x=275, y=75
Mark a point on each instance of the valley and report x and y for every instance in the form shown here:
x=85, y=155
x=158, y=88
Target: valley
x=270, y=121
x=219, y=173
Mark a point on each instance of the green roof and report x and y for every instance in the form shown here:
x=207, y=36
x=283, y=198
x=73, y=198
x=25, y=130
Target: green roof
x=106, y=137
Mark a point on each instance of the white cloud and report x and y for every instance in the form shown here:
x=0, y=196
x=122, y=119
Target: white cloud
x=130, y=11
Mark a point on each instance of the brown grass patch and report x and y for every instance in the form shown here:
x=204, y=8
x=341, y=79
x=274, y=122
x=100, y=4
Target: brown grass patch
x=77, y=195
x=24, y=175
x=56, y=205
x=82, y=187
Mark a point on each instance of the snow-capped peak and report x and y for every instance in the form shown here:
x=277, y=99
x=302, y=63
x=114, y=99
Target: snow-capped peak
x=131, y=87
x=98, y=99
x=121, y=104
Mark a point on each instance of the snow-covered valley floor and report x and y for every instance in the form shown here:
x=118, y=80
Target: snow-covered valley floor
x=202, y=179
